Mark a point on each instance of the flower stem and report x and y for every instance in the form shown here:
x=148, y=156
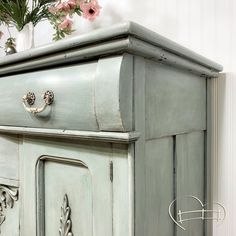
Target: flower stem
x=9, y=32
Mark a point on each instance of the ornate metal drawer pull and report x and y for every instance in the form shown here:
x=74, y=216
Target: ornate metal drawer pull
x=29, y=100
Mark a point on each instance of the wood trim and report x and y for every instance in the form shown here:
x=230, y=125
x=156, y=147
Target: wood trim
x=107, y=34
x=9, y=182
x=128, y=44
x=113, y=137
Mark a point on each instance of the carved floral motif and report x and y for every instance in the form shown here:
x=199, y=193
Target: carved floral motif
x=8, y=196
x=66, y=223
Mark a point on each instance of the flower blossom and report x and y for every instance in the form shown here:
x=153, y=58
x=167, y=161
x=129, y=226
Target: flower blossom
x=64, y=6
x=62, y=12
x=90, y=9
x=53, y=10
x=66, y=23
x=72, y=3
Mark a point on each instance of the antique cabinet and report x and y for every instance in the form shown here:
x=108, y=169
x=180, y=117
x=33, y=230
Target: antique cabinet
x=121, y=131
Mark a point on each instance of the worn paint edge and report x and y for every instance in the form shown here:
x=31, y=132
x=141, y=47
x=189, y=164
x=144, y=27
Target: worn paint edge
x=131, y=176
x=114, y=137
x=9, y=182
x=129, y=44
x=124, y=29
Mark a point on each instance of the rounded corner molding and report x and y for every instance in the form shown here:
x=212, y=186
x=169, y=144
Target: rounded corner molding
x=114, y=80
x=29, y=100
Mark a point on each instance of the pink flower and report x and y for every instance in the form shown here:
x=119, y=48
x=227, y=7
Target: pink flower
x=72, y=3
x=91, y=9
x=53, y=10
x=1, y=34
x=66, y=23
x=63, y=7
x=66, y=5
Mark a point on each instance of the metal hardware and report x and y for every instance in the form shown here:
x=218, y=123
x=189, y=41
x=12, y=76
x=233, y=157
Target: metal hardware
x=218, y=215
x=29, y=100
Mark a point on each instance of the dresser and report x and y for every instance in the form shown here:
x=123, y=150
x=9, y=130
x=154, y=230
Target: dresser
x=101, y=134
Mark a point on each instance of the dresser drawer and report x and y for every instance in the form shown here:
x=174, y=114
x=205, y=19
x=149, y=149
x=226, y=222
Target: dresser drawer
x=85, y=96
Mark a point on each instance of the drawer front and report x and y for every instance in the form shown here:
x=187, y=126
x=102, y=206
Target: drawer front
x=91, y=96
x=73, y=105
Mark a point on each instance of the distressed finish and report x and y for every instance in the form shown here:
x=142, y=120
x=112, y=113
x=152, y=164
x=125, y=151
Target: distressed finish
x=127, y=133
x=190, y=168
x=70, y=98
x=66, y=223
x=9, y=173
x=175, y=101
x=8, y=196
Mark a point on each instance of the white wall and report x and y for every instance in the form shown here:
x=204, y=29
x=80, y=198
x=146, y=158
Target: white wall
x=209, y=28
x=206, y=26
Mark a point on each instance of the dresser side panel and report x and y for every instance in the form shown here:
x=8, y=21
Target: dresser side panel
x=175, y=101
x=190, y=167
x=159, y=186
x=139, y=148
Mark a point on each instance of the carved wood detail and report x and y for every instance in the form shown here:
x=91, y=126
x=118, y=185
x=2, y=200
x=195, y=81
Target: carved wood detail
x=8, y=196
x=66, y=223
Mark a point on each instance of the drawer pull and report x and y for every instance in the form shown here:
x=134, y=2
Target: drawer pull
x=29, y=100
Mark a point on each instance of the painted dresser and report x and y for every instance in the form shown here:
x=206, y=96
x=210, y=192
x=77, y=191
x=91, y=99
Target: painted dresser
x=100, y=133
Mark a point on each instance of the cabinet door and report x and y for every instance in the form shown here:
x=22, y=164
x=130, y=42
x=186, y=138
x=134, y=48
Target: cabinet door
x=66, y=188
x=9, y=185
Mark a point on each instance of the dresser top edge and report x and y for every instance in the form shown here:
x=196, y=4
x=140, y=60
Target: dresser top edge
x=117, y=32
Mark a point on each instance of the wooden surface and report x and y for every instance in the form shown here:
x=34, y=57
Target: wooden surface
x=190, y=179
x=96, y=161
x=175, y=101
x=106, y=34
x=116, y=39
x=81, y=97
x=113, y=93
x=125, y=137
x=140, y=161
x=159, y=186
x=9, y=159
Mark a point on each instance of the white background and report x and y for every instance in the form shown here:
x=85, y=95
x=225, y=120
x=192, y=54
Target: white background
x=209, y=28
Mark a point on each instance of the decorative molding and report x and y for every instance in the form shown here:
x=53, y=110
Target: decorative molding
x=66, y=223
x=114, y=137
x=8, y=196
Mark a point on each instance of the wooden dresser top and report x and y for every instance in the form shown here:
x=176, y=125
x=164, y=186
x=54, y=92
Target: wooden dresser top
x=117, y=39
